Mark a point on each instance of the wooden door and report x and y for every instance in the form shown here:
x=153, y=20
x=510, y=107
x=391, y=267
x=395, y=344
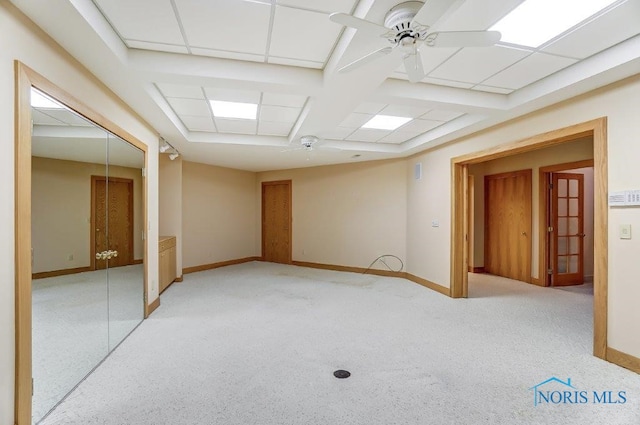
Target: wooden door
x=567, y=229
x=508, y=225
x=276, y=221
x=112, y=221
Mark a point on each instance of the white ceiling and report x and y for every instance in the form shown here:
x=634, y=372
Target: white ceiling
x=167, y=58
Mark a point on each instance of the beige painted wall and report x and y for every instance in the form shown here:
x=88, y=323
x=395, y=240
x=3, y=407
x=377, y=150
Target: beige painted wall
x=428, y=248
x=61, y=212
x=20, y=41
x=170, y=203
x=346, y=214
x=218, y=213
x=567, y=152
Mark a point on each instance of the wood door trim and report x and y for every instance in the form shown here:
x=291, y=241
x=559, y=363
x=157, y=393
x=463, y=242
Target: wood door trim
x=597, y=129
x=25, y=78
x=290, y=192
x=543, y=205
x=528, y=176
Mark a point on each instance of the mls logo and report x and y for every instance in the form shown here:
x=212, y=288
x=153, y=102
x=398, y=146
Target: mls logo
x=556, y=391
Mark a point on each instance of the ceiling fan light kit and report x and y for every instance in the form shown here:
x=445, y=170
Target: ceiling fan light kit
x=407, y=26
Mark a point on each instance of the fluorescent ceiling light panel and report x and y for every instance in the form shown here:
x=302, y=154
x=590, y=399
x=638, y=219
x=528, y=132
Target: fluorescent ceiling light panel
x=39, y=100
x=535, y=22
x=245, y=111
x=386, y=122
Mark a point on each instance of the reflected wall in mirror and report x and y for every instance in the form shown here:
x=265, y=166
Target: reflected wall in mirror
x=87, y=247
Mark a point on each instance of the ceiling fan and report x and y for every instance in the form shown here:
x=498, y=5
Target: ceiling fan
x=311, y=143
x=408, y=26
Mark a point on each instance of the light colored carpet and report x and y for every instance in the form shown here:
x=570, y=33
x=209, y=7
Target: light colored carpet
x=257, y=344
x=77, y=320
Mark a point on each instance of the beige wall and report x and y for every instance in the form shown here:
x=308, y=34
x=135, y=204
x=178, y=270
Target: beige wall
x=22, y=42
x=170, y=203
x=61, y=212
x=567, y=152
x=346, y=214
x=218, y=214
x=428, y=248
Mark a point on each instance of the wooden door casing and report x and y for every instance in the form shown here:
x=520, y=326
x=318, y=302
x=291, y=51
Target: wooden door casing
x=276, y=221
x=508, y=225
x=111, y=220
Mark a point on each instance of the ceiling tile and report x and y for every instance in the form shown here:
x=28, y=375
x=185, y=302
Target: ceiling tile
x=268, y=128
x=441, y=115
x=40, y=118
x=400, y=136
x=227, y=55
x=404, y=111
x=528, y=70
x=158, y=47
x=230, y=25
x=490, y=89
x=301, y=34
x=328, y=6
x=231, y=95
x=368, y=135
x=281, y=99
x=175, y=90
x=615, y=26
x=476, y=16
x=279, y=113
x=198, y=123
x=296, y=62
x=369, y=107
x=190, y=107
x=356, y=120
x=448, y=83
x=226, y=125
x=420, y=125
x=339, y=133
x=432, y=57
x=143, y=20
x=474, y=65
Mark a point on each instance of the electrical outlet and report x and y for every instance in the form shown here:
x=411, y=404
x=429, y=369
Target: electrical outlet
x=625, y=231
x=435, y=223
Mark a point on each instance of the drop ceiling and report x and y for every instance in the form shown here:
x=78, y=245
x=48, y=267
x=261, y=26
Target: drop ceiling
x=169, y=58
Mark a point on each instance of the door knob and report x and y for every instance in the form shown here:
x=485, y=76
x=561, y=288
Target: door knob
x=524, y=233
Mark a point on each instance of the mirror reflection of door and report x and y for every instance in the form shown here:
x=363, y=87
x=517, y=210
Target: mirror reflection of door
x=567, y=218
x=80, y=312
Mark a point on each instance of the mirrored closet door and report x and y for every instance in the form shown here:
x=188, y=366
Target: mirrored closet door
x=87, y=247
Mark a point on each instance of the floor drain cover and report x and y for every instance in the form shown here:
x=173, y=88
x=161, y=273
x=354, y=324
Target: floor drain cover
x=341, y=374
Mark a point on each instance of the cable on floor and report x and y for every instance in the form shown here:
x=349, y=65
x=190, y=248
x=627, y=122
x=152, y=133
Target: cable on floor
x=381, y=259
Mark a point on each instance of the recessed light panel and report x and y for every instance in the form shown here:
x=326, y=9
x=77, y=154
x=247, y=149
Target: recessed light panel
x=245, y=111
x=386, y=122
x=534, y=22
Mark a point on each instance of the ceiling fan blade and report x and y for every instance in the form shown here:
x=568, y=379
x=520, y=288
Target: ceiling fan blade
x=434, y=10
x=357, y=23
x=463, y=38
x=366, y=59
x=413, y=66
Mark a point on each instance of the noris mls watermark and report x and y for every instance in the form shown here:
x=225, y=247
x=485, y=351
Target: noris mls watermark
x=556, y=391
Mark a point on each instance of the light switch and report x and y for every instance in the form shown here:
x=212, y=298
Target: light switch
x=625, y=231
x=435, y=223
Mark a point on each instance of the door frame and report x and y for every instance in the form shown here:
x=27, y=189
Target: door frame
x=597, y=129
x=92, y=236
x=274, y=183
x=25, y=78
x=527, y=173
x=544, y=180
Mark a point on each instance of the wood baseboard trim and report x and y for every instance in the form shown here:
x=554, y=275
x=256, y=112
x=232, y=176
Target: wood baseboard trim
x=387, y=273
x=476, y=269
x=624, y=360
x=179, y=278
x=64, y=272
x=428, y=284
x=153, y=306
x=204, y=267
x=536, y=281
x=140, y=261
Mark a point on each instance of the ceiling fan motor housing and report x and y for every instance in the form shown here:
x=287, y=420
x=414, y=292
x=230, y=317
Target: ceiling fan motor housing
x=308, y=141
x=399, y=19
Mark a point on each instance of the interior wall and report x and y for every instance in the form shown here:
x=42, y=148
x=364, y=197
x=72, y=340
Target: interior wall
x=61, y=212
x=429, y=248
x=22, y=40
x=347, y=214
x=567, y=152
x=218, y=214
x=170, y=203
